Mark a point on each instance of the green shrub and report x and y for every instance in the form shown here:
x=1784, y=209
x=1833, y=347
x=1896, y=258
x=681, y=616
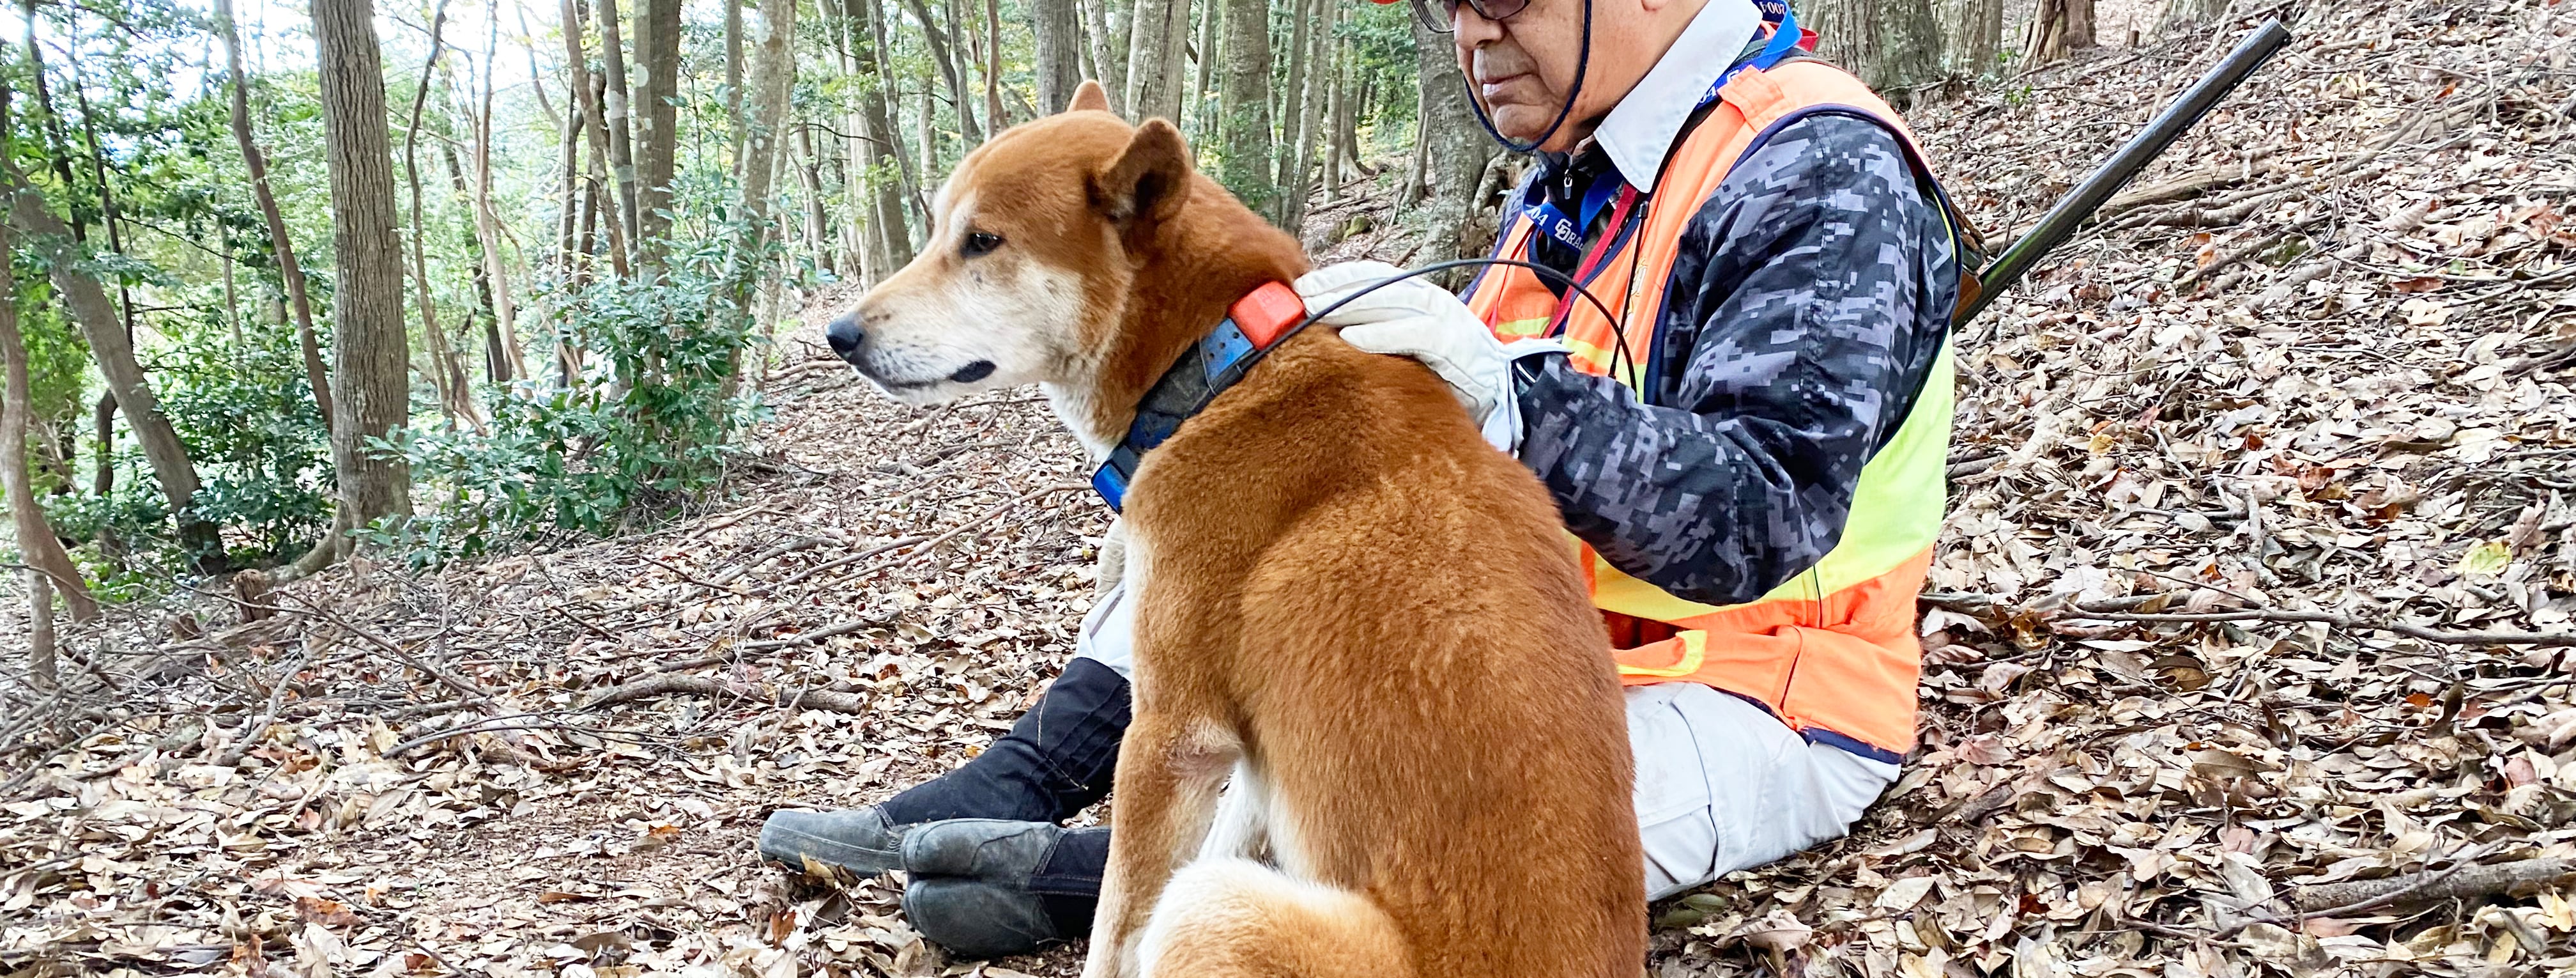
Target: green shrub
x=653, y=419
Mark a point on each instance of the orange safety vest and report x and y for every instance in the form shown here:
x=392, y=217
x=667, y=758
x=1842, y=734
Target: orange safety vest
x=1833, y=651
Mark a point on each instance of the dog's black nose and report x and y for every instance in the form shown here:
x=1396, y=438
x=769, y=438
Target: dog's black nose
x=845, y=336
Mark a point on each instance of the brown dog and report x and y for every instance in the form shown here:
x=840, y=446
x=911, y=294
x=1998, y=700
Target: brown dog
x=1346, y=602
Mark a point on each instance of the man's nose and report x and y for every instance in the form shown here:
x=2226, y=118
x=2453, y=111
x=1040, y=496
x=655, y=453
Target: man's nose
x=846, y=336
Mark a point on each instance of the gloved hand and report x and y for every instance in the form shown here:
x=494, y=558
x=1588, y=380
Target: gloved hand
x=1416, y=318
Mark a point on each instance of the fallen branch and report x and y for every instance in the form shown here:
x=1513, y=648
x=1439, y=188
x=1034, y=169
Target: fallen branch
x=2244, y=251
x=666, y=684
x=2465, y=881
x=2545, y=639
x=2117, y=610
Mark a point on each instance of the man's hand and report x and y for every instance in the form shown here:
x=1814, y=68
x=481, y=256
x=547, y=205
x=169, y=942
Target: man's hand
x=1416, y=318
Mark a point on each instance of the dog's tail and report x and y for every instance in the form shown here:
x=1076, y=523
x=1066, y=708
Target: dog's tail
x=1234, y=918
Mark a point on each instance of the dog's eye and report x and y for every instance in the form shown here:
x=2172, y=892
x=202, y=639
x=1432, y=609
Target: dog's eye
x=979, y=244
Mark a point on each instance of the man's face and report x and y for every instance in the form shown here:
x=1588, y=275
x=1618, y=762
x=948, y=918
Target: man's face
x=1521, y=66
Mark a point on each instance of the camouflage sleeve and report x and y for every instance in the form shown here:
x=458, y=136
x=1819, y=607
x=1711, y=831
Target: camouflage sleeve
x=1805, y=311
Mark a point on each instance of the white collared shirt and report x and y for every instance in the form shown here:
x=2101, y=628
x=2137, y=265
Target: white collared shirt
x=1640, y=129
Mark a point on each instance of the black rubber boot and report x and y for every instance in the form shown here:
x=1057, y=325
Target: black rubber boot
x=986, y=888
x=1054, y=763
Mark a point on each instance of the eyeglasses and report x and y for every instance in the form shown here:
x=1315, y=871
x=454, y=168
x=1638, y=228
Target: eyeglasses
x=1441, y=16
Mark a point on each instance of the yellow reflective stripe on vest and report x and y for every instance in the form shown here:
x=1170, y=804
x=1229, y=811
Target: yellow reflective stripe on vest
x=1521, y=329
x=1694, y=652
x=1895, y=515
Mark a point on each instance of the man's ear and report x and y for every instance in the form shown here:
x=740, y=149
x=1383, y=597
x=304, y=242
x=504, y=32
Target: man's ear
x=1147, y=184
x=1089, y=98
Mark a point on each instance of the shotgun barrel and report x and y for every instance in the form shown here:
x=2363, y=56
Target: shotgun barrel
x=2062, y=221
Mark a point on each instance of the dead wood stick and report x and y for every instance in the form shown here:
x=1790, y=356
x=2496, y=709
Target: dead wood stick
x=312, y=610
x=842, y=562
x=2545, y=639
x=826, y=632
x=799, y=544
x=2244, y=251
x=583, y=622
x=665, y=684
x=2116, y=610
x=233, y=753
x=2458, y=882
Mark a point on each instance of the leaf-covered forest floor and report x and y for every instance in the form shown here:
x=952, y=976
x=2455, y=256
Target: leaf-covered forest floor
x=2261, y=490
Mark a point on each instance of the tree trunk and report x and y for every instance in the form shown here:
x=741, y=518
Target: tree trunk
x=315, y=373
x=657, y=44
x=2058, y=28
x=2187, y=13
x=487, y=219
x=1203, y=71
x=733, y=72
x=929, y=137
x=1339, y=111
x=1976, y=32
x=454, y=387
x=1150, y=88
x=1296, y=180
x=1291, y=108
x=1455, y=150
x=994, y=118
x=1109, y=56
x=1059, y=35
x=103, y=421
x=890, y=242
x=369, y=350
x=948, y=74
x=621, y=145
x=1243, y=106
x=99, y=325
x=1890, y=44
x=37, y=545
x=809, y=168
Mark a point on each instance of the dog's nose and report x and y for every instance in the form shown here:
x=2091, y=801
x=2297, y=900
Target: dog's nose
x=845, y=336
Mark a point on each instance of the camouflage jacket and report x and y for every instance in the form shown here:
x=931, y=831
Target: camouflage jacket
x=1809, y=302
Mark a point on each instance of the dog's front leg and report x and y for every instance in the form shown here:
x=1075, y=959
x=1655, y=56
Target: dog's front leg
x=1171, y=771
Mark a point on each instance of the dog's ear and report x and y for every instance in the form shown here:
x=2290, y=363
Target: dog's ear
x=1089, y=98
x=1147, y=184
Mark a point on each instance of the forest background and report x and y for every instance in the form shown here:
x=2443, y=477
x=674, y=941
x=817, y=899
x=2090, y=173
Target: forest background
x=437, y=277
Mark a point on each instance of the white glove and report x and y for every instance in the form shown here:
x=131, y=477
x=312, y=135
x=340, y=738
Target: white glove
x=1416, y=318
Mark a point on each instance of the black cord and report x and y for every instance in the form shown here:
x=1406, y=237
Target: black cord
x=1582, y=66
x=1544, y=272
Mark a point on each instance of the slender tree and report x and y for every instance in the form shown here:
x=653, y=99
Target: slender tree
x=1109, y=56
x=994, y=118
x=1976, y=35
x=368, y=348
x=315, y=373
x=1454, y=148
x=1244, y=141
x=1059, y=35
x=47, y=564
x=91, y=309
x=620, y=125
x=448, y=373
x=1152, y=85
x=1296, y=178
x=941, y=56
x=1891, y=44
x=657, y=45
x=2187, y=13
x=2058, y=28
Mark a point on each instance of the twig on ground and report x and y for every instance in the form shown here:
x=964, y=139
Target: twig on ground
x=2112, y=612
x=665, y=684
